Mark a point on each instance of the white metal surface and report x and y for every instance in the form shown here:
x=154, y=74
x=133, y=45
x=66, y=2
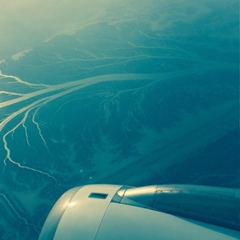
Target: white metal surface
x=123, y=222
x=102, y=212
x=83, y=215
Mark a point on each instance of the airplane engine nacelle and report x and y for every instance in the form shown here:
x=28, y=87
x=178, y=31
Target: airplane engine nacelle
x=100, y=212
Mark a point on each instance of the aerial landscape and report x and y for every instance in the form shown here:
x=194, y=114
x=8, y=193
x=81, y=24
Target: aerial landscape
x=119, y=92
